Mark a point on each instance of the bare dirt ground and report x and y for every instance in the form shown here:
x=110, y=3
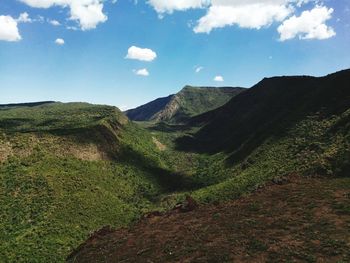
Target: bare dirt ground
x=160, y=146
x=302, y=220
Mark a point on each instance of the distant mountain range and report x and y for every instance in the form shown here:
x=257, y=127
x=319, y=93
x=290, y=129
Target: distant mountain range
x=28, y=104
x=179, y=107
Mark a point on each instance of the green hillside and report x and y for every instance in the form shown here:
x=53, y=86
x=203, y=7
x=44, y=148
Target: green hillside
x=189, y=102
x=67, y=170
x=281, y=126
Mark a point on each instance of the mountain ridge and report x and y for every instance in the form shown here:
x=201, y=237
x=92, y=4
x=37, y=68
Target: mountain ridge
x=268, y=96
x=26, y=104
x=188, y=102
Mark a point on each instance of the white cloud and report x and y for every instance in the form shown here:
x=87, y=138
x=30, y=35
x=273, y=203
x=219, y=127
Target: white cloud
x=309, y=25
x=143, y=54
x=54, y=22
x=89, y=16
x=72, y=28
x=59, y=41
x=199, y=69
x=252, y=14
x=219, y=78
x=88, y=13
x=9, y=29
x=40, y=19
x=123, y=107
x=169, y=6
x=24, y=18
x=141, y=72
x=44, y=3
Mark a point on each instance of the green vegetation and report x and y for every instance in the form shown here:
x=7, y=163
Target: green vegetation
x=281, y=126
x=314, y=146
x=50, y=205
x=56, y=116
x=52, y=195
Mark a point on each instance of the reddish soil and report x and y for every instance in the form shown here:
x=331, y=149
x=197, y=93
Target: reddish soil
x=303, y=220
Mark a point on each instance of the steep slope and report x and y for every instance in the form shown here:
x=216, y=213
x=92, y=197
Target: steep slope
x=272, y=106
x=148, y=111
x=190, y=101
x=67, y=170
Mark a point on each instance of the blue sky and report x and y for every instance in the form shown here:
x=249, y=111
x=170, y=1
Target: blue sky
x=84, y=56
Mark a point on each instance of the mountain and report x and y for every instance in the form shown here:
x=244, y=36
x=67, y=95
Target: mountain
x=148, y=111
x=190, y=101
x=281, y=126
x=270, y=108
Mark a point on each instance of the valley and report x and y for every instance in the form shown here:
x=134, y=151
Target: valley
x=249, y=157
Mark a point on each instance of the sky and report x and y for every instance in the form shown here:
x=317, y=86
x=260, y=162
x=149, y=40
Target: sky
x=128, y=52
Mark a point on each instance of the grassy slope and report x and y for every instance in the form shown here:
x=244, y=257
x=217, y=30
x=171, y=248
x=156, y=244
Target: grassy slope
x=51, y=200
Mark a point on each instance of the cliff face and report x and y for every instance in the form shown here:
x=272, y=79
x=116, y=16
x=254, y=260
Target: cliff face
x=83, y=131
x=148, y=111
x=169, y=110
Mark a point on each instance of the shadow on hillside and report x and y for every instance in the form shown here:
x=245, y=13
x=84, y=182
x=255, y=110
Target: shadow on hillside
x=107, y=143
x=166, y=127
x=13, y=124
x=26, y=125
x=267, y=112
x=168, y=180
x=237, y=144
